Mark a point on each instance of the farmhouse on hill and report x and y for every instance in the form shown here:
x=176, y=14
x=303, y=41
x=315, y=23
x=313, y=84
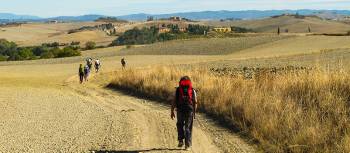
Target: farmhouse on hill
x=222, y=29
x=175, y=18
x=165, y=28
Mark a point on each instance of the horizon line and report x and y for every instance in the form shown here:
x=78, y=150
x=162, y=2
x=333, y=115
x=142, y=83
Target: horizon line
x=173, y=12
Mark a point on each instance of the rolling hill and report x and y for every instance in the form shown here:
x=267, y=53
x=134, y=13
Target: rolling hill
x=38, y=33
x=202, y=15
x=224, y=14
x=293, y=24
x=10, y=16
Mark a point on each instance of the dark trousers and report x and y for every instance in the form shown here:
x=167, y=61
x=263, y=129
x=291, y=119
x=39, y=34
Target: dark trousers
x=184, y=126
x=81, y=77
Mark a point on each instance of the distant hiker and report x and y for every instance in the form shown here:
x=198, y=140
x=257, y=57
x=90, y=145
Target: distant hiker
x=185, y=103
x=123, y=61
x=86, y=72
x=97, y=65
x=89, y=62
x=81, y=73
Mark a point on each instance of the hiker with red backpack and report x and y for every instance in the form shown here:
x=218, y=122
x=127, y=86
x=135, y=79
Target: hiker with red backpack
x=185, y=103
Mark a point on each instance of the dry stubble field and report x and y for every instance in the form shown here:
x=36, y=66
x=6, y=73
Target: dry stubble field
x=57, y=114
x=45, y=109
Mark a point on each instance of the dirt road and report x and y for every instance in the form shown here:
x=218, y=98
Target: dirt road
x=43, y=108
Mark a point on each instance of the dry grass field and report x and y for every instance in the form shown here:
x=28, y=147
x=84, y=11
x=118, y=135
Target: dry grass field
x=302, y=108
x=302, y=111
x=328, y=60
x=256, y=46
x=293, y=24
x=203, y=46
x=45, y=109
x=295, y=45
x=38, y=33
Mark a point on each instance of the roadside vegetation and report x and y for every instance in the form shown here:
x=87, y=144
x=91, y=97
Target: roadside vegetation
x=10, y=51
x=302, y=110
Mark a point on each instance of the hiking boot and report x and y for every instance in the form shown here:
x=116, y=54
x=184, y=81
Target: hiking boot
x=181, y=144
x=187, y=148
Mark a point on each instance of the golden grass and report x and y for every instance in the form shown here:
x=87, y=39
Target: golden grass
x=203, y=46
x=306, y=111
x=38, y=33
x=295, y=45
x=293, y=24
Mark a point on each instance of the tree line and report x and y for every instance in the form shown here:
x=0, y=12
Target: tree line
x=10, y=51
x=151, y=35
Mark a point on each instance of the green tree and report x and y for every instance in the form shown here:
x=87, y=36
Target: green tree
x=197, y=29
x=166, y=37
x=26, y=53
x=47, y=54
x=7, y=47
x=67, y=52
x=137, y=36
x=38, y=50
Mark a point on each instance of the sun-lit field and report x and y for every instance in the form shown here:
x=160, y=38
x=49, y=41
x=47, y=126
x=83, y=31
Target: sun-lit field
x=203, y=46
x=38, y=33
x=285, y=93
x=293, y=25
x=296, y=45
x=332, y=60
x=296, y=111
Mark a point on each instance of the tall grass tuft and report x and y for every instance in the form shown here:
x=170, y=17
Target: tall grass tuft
x=305, y=111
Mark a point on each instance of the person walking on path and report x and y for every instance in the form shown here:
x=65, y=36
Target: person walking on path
x=86, y=72
x=89, y=62
x=97, y=65
x=81, y=73
x=123, y=62
x=185, y=103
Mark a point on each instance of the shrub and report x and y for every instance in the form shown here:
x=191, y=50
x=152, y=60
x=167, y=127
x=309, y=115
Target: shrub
x=47, y=54
x=90, y=45
x=7, y=47
x=26, y=53
x=39, y=50
x=241, y=30
x=67, y=52
x=3, y=58
x=54, y=44
x=75, y=43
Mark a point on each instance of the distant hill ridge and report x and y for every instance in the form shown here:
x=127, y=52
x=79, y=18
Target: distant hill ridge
x=204, y=15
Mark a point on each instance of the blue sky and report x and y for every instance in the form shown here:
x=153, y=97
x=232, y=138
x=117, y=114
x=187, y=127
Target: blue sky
x=47, y=8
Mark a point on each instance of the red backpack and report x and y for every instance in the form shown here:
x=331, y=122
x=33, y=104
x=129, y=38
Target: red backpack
x=185, y=92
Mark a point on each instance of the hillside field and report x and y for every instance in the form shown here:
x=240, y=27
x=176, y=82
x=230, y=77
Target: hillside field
x=294, y=25
x=38, y=33
x=202, y=46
